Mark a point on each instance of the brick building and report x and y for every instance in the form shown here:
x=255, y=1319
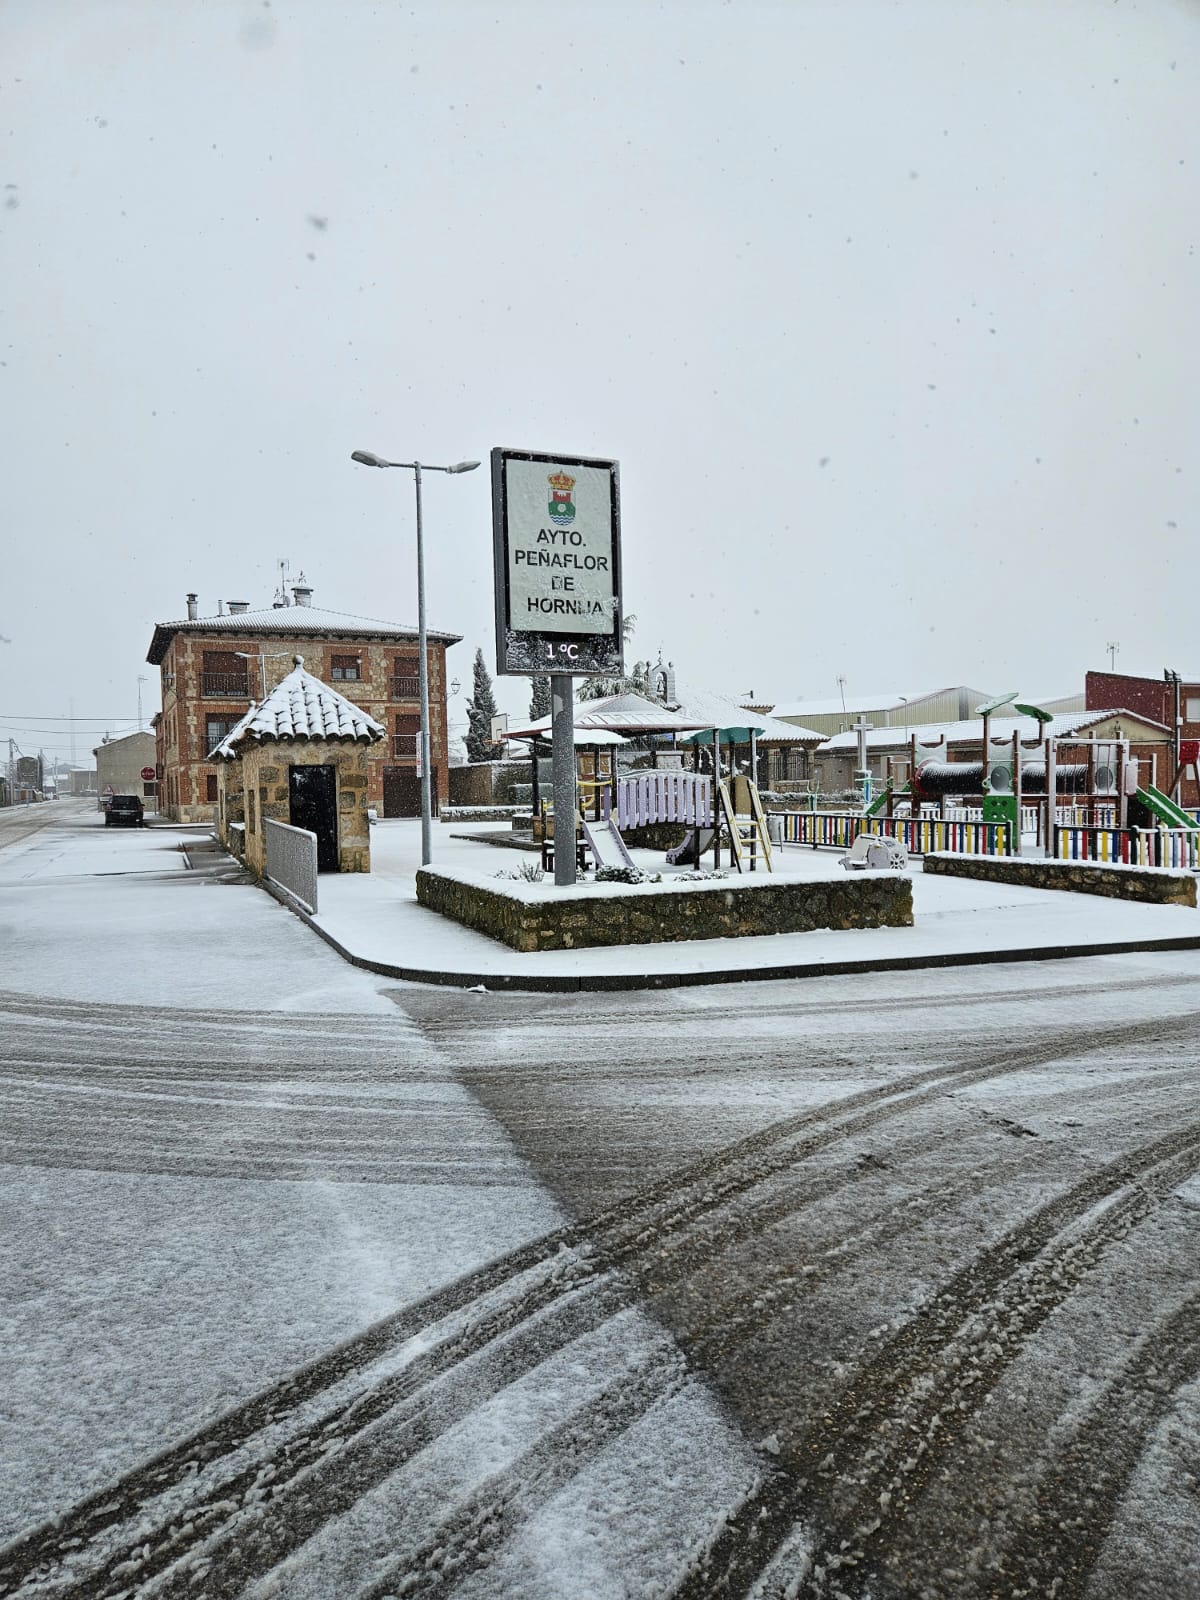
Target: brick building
x=300, y=756
x=1155, y=699
x=213, y=668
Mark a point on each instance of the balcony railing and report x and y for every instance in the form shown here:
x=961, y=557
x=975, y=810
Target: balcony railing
x=405, y=744
x=405, y=689
x=225, y=685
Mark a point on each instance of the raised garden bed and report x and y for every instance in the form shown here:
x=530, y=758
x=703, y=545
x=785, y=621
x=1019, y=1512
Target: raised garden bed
x=1156, y=885
x=539, y=916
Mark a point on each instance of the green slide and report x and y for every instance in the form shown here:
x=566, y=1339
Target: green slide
x=878, y=804
x=1164, y=808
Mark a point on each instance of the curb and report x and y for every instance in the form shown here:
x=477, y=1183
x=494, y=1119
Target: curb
x=594, y=983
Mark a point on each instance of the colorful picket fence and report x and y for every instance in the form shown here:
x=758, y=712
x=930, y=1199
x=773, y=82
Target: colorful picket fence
x=1132, y=847
x=919, y=835
x=834, y=829
x=923, y=836
x=646, y=797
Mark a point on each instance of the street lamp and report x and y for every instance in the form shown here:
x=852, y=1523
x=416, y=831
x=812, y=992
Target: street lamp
x=262, y=657
x=368, y=458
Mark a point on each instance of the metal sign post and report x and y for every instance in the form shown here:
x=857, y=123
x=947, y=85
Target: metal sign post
x=562, y=724
x=556, y=523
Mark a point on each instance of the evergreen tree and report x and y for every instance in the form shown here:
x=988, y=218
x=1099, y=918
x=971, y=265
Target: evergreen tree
x=481, y=708
x=635, y=681
x=539, y=698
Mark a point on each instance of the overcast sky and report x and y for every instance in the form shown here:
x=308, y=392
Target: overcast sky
x=890, y=312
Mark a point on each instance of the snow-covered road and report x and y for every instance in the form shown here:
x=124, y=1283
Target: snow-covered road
x=856, y=1288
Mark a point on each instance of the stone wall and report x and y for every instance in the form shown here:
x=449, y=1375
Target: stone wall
x=1152, y=884
x=486, y=783
x=569, y=919
x=660, y=836
x=257, y=786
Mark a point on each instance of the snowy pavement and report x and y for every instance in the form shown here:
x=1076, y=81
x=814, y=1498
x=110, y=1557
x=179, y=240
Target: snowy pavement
x=243, y=1198
x=874, y=1286
x=376, y=919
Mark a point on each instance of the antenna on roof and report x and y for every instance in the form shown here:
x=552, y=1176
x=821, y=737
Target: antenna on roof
x=281, y=593
x=841, y=683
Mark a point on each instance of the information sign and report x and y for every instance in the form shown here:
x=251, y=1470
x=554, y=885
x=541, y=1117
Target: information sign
x=556, y=525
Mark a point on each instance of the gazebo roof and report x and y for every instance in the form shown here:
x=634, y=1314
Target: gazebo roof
x=730, y=717
x=300, y=707
x=628, y=714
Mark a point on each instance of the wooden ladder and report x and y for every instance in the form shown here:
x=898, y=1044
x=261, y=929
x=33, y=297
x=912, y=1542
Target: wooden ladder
x=747, y=835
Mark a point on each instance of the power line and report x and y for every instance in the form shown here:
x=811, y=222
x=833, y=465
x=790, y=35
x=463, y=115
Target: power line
x=40, y=717
x=27, y=727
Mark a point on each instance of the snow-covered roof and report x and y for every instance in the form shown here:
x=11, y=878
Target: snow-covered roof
x=300, y=707
x=928, y=733
x=714, y=710
x=852, y=704
x=111, y=744
x=621, y=713
x=582, y=736
x=292, y=621
x=886, y=700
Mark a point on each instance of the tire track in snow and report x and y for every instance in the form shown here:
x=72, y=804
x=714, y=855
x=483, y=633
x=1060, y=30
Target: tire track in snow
x=634, y=1230
x=800, y=1274
x=479, y=1527
x=83, y=1093
x=886, y=1431
x=1091, y=1472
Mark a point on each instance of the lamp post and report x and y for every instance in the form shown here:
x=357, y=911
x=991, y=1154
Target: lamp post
x=367, y=458
x=262, y=657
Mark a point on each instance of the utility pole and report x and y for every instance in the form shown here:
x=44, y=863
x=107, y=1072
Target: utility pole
x=141, y=680
x=863, y=776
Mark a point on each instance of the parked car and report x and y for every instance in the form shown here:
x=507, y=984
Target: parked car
x=124, y=811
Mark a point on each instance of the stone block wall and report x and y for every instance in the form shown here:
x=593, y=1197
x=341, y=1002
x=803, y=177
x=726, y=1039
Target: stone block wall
x=486, y=783
x=590, y=916
x=1154, y=885
x=257, y=786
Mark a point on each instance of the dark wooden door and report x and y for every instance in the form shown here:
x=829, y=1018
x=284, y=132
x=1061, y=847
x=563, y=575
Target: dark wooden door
x=312, y=798
x=402, y=791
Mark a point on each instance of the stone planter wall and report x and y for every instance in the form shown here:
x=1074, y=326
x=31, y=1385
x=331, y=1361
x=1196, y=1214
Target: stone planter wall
x=657, y=836
x=1154, y=885
x=651, y=914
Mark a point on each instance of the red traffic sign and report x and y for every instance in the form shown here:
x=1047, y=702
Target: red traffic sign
x=147, y=774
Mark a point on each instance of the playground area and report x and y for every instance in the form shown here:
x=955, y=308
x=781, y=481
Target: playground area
x=1038, y=789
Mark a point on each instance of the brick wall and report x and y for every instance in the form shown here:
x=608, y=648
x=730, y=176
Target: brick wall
x=1117, y=691
x=1150, y=697
x=186, y=708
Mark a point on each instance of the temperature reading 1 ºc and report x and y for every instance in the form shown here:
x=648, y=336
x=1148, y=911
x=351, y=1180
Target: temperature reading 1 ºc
x=571, y=651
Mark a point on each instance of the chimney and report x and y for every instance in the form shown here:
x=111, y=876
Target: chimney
x=220, y=608
x=238, y=608
x=192, y=607
x=302, y=593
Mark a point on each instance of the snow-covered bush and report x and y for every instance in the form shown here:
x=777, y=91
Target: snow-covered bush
x=625, y=875
x=527, y=872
